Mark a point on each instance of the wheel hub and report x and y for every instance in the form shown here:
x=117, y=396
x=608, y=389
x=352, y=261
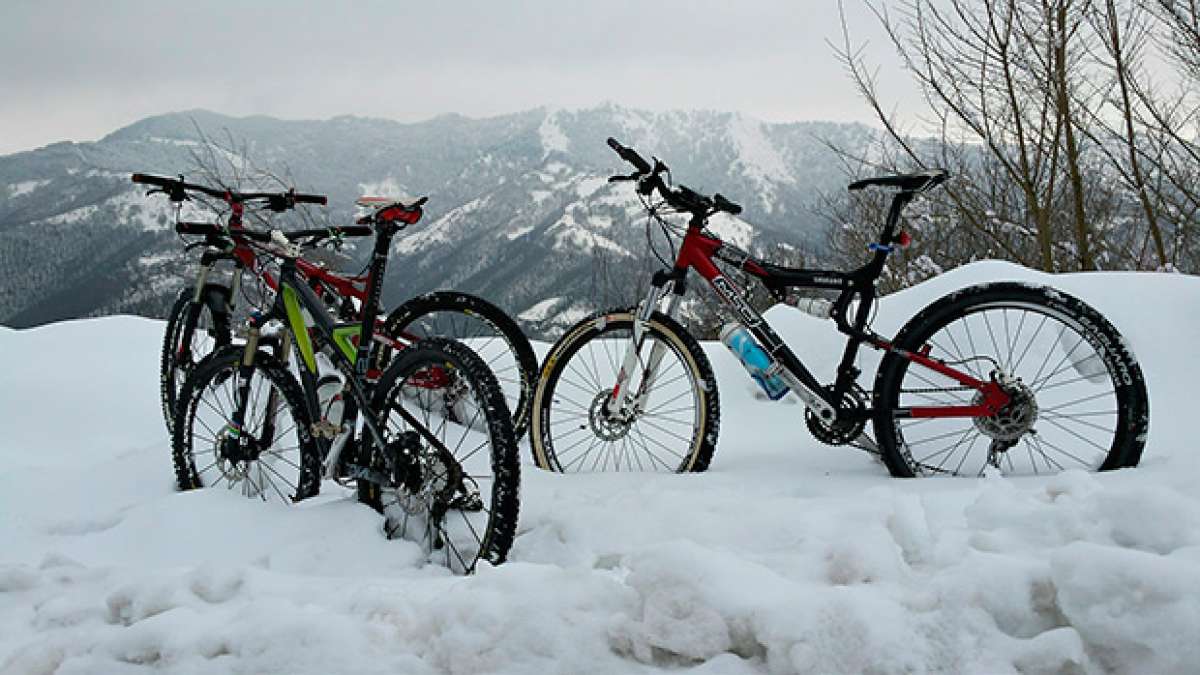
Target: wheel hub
x=1013, y=420
x=603, y=423
x=235, y=445
x=436, y=475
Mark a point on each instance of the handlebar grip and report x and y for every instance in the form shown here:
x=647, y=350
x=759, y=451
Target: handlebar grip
x=629, y=155
x=725, y=205
x=312, y=199
x=356, y=230
x=160, y=181
x=197, y=228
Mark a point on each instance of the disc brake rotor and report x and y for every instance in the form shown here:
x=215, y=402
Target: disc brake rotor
x=602, y=423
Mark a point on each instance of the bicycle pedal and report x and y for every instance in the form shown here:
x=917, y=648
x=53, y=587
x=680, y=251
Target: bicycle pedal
x=325, y=429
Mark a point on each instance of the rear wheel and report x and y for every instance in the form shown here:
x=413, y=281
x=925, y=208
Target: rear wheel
x=194, y=330
x=1077, y=395
x=672, y=428
x=271, y=456
x=456, y=489
x=482, y=327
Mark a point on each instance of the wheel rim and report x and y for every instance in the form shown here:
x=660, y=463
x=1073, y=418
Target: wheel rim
x=1064, y=412
x=261, y=460
x=483, y=338
x=449, y=514
x=203, y=342
x=583, y=436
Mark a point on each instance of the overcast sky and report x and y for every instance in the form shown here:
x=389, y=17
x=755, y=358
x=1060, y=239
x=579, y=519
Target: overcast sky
x=78, y=70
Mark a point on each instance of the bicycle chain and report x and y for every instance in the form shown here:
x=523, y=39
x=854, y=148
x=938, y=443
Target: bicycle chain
x=935, y=390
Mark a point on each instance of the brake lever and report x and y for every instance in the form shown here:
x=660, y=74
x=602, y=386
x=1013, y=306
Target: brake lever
x=622, y=178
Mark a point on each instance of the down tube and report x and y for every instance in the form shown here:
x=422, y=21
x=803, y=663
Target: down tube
x=762, y=331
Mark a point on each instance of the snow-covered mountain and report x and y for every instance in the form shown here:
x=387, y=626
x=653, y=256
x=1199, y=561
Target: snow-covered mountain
x=519, y=212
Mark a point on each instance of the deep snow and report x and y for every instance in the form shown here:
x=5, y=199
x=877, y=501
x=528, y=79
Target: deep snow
x=787, y=556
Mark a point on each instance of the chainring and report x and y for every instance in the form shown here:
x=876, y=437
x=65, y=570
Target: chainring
x=842, y=431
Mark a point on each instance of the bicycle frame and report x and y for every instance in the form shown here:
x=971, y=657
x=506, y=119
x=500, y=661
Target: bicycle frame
x=293, y=302
x=698, y=251
x=245, y=257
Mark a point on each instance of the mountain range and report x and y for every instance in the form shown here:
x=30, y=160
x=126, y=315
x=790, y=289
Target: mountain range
x=519, y=211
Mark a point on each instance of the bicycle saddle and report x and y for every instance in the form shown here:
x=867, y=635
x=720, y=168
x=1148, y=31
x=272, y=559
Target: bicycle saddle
x=388, y=209
x=908, y=182
x=380, y=203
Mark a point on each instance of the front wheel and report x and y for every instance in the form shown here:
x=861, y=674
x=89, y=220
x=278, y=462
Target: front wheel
x=1077, y=397
x=194, y=330
x=673, y=423
x=270, y=455
x=451, y=459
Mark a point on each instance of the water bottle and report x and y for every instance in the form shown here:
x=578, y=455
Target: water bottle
x=756, y=361
x=817, y=307
x=329, y=390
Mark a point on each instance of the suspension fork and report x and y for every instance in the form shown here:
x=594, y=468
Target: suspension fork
x=201, y=279
x=246, y=372
x=625, y=400
x=677, y=287
x=235, y=288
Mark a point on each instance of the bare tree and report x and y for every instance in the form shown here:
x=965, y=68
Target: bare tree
x=228, y=162
x=1068, y=156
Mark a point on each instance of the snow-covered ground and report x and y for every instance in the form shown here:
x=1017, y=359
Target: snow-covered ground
x=786, y=556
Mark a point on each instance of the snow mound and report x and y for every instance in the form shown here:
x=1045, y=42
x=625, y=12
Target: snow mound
x=785, y=557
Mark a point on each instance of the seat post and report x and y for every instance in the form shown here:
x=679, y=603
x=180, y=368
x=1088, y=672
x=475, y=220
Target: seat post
x=900, y=201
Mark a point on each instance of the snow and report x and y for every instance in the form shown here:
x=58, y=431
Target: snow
x=442, y=231
x=589, y=185
x=570, y=236
x=785, y=557
x=552, y=136
x=386, y=187
x=131, y=206
x=732, y=229
x=540, y=310
x=517, y=232
x=756, y=154
x=25, y=187
x=758, y=158
x=74, y=215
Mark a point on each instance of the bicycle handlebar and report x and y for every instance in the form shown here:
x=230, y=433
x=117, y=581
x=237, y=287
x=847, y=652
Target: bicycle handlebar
x=316, y=235
x=176, y=189
x=682, y=198
x=629, y=155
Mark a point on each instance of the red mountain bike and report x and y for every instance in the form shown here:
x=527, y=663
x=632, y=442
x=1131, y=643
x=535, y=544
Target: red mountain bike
x=1018, y=377
x=201, y=319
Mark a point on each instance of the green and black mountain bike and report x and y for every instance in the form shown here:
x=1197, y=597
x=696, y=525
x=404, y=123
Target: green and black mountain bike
x=429, y=443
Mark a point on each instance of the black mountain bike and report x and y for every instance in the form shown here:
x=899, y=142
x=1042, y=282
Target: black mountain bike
x=1023, y=378
x=429, y=444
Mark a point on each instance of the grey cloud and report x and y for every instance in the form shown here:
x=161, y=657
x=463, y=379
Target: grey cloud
x=76, y=70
